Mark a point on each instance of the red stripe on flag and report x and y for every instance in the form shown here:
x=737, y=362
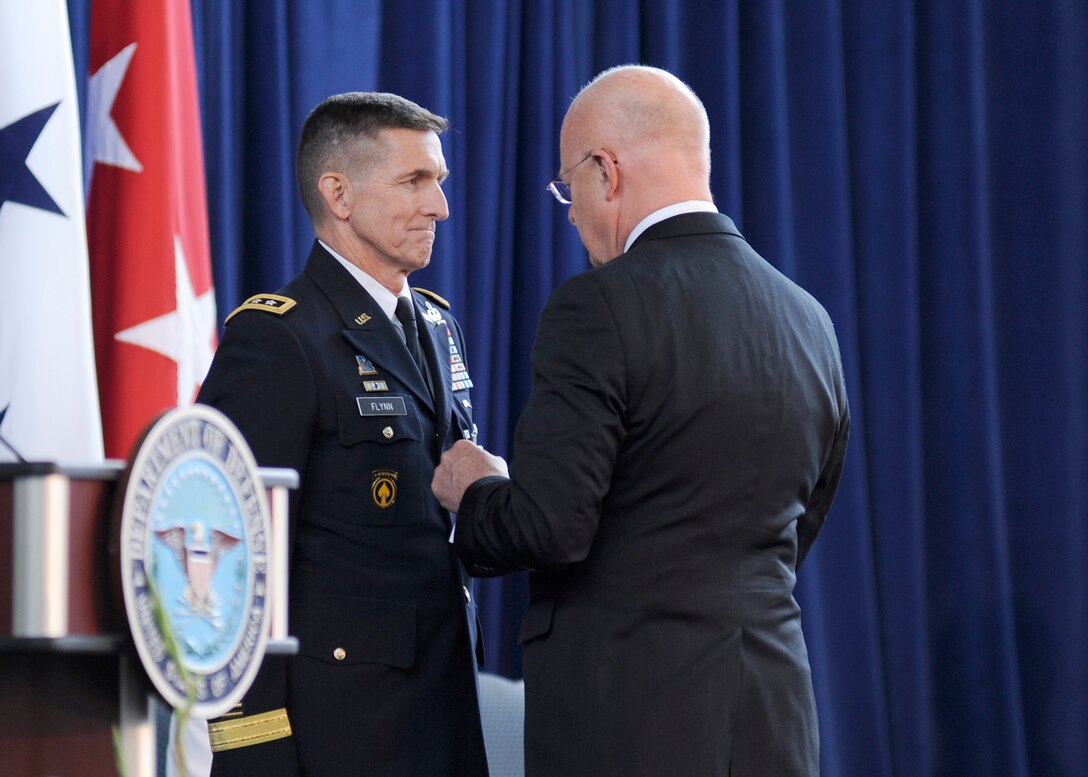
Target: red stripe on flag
x=146, y=202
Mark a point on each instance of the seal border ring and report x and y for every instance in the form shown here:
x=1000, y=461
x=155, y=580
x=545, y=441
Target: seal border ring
x=132, y=512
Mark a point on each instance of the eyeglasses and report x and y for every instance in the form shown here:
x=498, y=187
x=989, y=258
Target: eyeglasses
x=561, y=190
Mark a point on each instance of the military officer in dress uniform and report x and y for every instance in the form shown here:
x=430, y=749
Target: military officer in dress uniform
x=359, y=383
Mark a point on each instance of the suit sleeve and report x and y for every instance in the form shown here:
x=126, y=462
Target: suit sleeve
x=823, y=493
x=565, y=446
x=260, y=379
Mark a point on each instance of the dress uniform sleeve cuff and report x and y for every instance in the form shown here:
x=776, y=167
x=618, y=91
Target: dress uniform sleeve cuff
x=251, y=730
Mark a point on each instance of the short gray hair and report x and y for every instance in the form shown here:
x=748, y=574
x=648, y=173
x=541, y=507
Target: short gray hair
x=352, y=120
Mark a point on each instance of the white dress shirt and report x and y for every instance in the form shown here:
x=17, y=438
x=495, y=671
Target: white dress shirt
x=690, y=206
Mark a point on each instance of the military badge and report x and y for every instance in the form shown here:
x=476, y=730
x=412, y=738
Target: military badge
x=460, y=379
x=366, y=367
x=193, y=544
x=384, y=488
x=431, y=313
x=266, y=303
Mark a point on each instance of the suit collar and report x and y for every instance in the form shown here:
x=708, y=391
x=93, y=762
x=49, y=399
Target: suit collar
x=386, y=299
x=687, y=224
x=352, y=302
x=366, y=326
x=676, y=209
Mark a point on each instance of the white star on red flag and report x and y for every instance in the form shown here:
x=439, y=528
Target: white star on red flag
x=153, y=301
x=185, y=334
x=105, y=144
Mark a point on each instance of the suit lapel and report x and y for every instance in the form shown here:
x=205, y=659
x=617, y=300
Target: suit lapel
x=434, y=336
x=366, y=326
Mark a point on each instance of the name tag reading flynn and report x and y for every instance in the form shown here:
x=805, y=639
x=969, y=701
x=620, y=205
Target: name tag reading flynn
x=381, y=406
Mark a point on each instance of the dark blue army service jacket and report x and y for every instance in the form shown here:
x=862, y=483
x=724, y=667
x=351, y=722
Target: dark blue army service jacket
x=318, y=379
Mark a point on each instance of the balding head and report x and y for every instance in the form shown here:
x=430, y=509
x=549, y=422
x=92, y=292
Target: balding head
x=648, y=140
x=641, y=108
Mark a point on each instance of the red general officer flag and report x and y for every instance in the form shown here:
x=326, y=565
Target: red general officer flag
x=147, y=224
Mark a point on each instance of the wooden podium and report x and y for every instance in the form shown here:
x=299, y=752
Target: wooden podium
x=69, y=676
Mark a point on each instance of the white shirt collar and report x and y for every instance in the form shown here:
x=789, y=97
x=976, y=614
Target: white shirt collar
x=386, y=299
x=690, y=206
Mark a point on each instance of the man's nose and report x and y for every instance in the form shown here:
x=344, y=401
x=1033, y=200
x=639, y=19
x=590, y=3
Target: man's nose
x=436, y=205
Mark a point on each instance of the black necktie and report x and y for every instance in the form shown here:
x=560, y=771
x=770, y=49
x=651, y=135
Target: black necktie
x=406, y=314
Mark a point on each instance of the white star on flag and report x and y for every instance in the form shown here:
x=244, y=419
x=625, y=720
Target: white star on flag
x=147, y=194
x=184, y=335
x=105, y=143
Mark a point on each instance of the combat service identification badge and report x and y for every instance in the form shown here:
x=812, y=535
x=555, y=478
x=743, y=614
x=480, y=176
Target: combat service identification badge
x=193, y=546
x=384, y=488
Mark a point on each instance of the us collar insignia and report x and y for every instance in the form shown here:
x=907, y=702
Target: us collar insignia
x=366, y=367
x=362, y=318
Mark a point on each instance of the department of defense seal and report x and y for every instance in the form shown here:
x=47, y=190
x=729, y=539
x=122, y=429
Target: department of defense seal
x=194, y=532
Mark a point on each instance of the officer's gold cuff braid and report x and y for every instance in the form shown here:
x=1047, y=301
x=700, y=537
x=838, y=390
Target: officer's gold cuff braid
x=250, y=730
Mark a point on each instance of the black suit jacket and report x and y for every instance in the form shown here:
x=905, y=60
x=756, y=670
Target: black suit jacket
x=679, y=451
x=384, y=683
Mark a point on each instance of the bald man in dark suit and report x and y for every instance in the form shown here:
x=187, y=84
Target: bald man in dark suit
x=679, y=452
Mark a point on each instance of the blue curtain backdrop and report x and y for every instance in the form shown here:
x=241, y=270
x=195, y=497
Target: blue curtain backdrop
x=921, y=167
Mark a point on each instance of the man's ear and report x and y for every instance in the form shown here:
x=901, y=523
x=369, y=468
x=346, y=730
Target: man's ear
x=335, y=189
x=609, y=171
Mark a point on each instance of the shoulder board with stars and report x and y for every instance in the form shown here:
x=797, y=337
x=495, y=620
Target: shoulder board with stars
x=426, y=293
x=269, y=303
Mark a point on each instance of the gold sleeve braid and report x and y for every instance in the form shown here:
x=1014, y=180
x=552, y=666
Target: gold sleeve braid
x=252, y=730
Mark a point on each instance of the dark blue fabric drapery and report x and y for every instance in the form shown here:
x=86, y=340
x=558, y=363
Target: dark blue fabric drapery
x=921, y=167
